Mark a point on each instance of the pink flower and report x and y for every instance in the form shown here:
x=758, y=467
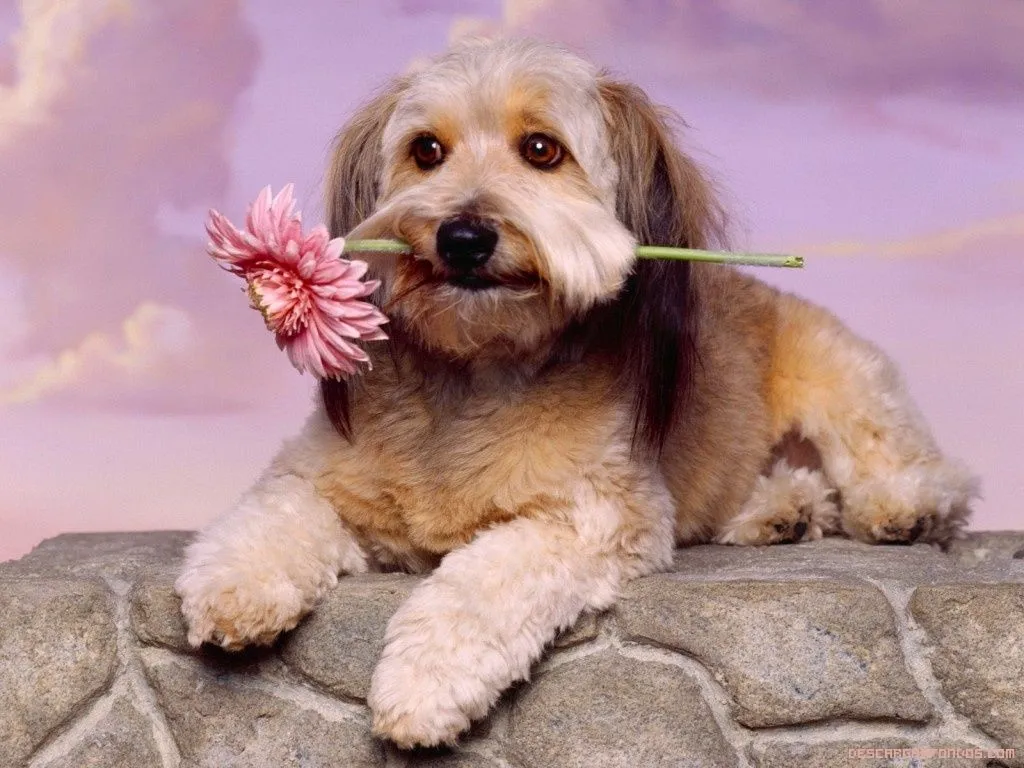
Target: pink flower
x=308, y=295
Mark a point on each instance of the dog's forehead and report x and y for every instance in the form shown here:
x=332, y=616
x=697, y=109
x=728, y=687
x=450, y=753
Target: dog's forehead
x=485, y=86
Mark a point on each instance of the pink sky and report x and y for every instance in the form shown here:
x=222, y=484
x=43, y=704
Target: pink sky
x=881, y=140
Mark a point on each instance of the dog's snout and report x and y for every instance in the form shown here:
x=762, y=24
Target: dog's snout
x=464, y=243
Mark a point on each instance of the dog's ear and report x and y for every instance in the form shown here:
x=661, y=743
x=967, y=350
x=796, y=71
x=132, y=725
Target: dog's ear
x=352, y=188
x=353, y=180
x=663, y=199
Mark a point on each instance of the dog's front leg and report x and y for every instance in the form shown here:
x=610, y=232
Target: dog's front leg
x=478, y=623
x=258, y=569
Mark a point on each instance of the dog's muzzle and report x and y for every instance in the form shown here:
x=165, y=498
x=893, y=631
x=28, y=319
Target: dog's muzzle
x=465, y=243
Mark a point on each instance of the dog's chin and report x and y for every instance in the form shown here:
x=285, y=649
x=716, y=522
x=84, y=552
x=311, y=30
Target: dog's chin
x=479, y=317
x=473, y=282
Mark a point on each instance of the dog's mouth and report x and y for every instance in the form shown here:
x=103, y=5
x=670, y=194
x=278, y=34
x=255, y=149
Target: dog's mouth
x=472, y=281
x=424, y=272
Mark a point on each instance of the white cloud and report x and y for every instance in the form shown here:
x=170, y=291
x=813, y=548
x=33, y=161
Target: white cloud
x=942, y=243
x=50, y=43
x=118, y=109
x=784, y=49
x=156, y=362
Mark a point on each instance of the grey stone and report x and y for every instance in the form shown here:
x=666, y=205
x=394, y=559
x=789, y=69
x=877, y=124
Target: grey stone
x=853, y=754
x=794, y=634
x=987, y=546
x=788, y=652
x=122, y=739
x=583, y=631
x=223, y=719
x=978, y=634
x=155, y=611
x=338, y=645
x=119, y=556
x=58, y=650
x=836, y=558
x=449, y=760
x=607, y=711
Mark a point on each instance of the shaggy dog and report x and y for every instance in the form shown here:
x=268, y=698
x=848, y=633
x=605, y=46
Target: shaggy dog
x=551, y=416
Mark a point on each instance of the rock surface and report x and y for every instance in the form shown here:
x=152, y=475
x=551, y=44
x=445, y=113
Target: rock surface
x=781, y=656
x=978, y=636
x=224, y=720
x=338, y=645
x=121, y=737
x=788, y=651
x=636, y=713
x=58, y=651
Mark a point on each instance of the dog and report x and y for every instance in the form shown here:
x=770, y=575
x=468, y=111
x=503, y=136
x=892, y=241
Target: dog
x=551, y=416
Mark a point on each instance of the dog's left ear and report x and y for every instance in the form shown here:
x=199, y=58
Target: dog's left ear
x=663, y=199
x=352, y=189
x=353, y=181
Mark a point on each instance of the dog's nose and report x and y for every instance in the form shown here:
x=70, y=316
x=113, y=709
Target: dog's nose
x=464, y=243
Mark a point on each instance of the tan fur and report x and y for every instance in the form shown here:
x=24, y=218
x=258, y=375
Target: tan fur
x=642, y=139
x=493, y=447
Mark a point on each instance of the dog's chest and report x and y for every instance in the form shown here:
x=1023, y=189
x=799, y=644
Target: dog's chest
x=431, y=477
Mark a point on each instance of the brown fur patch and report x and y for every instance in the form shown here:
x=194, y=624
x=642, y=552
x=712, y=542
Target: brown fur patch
x=796, y=450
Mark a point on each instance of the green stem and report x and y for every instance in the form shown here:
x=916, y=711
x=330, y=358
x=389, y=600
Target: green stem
x=376, y=246
x=720, y=257
x=642, y=251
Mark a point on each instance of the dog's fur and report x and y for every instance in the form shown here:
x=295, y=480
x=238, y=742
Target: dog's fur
x=540, y=443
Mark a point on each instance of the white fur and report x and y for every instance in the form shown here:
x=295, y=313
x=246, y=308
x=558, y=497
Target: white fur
x=780, y=501
x=481, y=620
x=254, y=572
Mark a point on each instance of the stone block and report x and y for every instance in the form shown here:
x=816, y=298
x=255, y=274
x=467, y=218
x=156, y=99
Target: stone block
x=978, y=656
x=338, y=644
x=787, y=652
x=58, y=651
x=606, y=711
x=223, y=719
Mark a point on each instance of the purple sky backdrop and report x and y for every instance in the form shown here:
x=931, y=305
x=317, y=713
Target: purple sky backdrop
x=881, y=140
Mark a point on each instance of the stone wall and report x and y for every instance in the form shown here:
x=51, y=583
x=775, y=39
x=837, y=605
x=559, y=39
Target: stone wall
x=781, y=657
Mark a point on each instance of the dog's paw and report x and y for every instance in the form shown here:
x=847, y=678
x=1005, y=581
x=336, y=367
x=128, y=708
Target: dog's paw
x=928, y=503
x=787, y=506
x=882, y=520
x=438, y=673
x=235, y=609
x=785, y=526
x=420, y=705
x=885, y=525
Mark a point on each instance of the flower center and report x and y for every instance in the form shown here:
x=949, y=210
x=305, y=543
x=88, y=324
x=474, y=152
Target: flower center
x=282, y=297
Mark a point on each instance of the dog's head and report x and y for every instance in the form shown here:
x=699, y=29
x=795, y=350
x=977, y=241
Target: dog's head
x=523, y=178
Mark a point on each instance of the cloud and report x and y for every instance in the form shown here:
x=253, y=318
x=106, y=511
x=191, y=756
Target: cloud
x=156, y=363
x=790, y=49
x=50, y=43
x=419, y=7
x=119, y=108
x=119, y=111
x=1006, y=230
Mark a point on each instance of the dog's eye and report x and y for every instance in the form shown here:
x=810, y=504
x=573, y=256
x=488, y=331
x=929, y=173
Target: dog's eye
x=541, y=151
x=427, y=151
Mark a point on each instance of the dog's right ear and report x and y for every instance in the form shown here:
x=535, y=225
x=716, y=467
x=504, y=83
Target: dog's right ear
x=663, y=198
x=353, y=186
x=353, y=181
